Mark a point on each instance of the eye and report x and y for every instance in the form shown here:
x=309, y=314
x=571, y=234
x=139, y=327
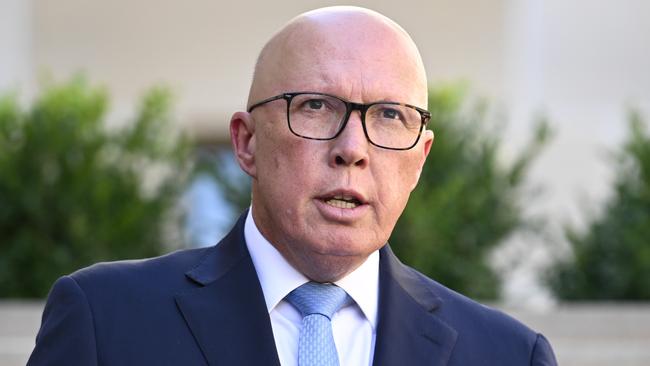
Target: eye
x=314, y=104
x=390, y=113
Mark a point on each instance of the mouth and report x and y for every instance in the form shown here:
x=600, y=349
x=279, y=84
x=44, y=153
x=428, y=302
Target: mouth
x=342, y=201
x=345, y=200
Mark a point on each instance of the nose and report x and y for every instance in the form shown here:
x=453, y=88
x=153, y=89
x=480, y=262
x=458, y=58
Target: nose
x=350, y=147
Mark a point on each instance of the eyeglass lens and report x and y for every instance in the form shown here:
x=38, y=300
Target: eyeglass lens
x=321, y=117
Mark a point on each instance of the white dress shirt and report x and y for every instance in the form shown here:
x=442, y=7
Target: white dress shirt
x=353, y=326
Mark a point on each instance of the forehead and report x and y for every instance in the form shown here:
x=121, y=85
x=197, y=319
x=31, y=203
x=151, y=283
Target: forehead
x=361, y=61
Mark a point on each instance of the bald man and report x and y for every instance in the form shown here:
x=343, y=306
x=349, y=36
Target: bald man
x=334, y=139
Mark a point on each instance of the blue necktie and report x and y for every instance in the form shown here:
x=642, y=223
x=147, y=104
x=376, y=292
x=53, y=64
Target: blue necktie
x=317, y=302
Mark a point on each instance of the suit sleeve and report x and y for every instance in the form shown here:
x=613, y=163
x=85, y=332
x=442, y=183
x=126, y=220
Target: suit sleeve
x=67, y=333
x=542, y=353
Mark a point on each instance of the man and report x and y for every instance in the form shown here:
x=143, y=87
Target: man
x=334, y=139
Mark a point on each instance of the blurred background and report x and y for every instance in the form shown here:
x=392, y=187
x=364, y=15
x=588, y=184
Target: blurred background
x=535, y=197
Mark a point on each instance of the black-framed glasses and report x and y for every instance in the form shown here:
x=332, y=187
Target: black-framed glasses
x=320, y=116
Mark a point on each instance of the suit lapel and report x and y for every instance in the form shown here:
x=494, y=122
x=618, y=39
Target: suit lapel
x=227, y=313
x=408, y=331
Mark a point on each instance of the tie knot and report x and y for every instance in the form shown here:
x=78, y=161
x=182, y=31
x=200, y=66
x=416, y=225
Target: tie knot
x=318, y=298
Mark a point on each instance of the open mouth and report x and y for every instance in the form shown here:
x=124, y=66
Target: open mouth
x=343, y=201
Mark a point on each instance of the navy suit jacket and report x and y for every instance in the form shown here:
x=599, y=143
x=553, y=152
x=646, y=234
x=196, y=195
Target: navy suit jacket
x=206, y=307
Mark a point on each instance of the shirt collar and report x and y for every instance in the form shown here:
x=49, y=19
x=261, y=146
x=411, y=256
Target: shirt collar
x=277, y=277
x=362, y=285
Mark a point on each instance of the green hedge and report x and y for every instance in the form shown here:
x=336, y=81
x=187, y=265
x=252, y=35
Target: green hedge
x=467, y=201
x=610, y=259
x=73, y=192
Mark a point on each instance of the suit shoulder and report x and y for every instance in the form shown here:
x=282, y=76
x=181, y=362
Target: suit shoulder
x=459, y=309
x=485, y=333
x=168, y=269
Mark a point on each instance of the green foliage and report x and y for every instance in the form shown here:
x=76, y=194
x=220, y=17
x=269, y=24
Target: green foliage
x=73, y=193
x=611, y=258
x=467, y=202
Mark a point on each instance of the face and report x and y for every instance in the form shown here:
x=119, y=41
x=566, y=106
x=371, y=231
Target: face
x=327, y=205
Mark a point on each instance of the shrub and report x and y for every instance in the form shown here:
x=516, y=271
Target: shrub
x=73, y=192
x=610, y=260
x=467, y=201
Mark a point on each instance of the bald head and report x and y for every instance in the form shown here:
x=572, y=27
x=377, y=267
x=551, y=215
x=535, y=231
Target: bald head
x=318, y=45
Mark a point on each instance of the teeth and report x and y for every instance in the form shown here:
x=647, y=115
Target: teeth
x=344, y=198
x=339, y=202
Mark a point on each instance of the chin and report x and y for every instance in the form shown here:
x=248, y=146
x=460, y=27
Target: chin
x=329, y=255
x=344, y=245
x=330, y=268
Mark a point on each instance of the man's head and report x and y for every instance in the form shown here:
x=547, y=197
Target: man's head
x=300, y=185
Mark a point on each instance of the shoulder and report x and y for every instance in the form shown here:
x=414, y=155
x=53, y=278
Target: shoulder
x=483, y=329
x=145, y=281
x=460, y=311
x=165, y=273
x=453, y=308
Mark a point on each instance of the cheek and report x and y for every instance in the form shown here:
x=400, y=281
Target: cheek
x=286, y=167
x=398, y=178
x=410, y=174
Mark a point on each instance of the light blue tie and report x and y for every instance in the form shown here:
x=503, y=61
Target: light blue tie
x=317, y=302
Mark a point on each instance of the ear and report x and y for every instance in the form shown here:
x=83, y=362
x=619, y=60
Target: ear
x=427, y=141
x=242, y=137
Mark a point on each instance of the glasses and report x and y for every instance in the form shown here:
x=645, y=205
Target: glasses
x=319, y=116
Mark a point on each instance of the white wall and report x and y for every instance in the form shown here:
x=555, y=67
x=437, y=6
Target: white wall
x=205, y=50
x=583, y=63
x=16, y=71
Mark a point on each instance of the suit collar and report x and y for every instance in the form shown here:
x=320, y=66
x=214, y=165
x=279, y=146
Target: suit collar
x=222, y=257
x=409, y=332
x=226, y=312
